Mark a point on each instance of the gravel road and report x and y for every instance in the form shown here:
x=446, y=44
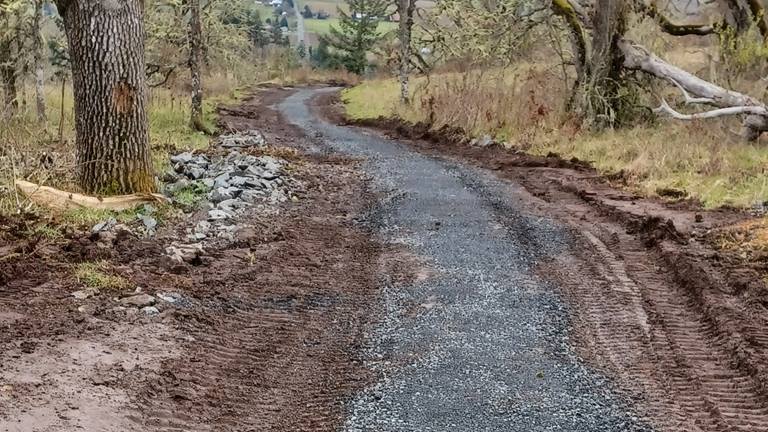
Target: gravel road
x=482, y=344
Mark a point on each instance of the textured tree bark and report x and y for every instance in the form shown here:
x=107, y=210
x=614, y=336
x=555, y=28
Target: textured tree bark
x=744, y=12
x=670, y=27
x=195, y=57
x=42, y=117
x=405, y=9
x=106, y=44
x=8, y=77
x=600, y=102
x=566, y=10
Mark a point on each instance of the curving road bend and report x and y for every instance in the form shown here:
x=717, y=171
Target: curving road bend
x=482, y=344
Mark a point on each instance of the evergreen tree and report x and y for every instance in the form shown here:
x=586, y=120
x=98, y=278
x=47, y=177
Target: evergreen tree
x=357, y=32
x=256, y=32
x=307, y=12
x=278, y=37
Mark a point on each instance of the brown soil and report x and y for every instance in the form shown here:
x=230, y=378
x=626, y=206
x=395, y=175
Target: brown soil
x=264, y=337
x=681, y=325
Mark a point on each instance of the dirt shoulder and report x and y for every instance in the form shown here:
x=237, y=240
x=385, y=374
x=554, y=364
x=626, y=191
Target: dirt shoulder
x=679, y=323
x=260, y=332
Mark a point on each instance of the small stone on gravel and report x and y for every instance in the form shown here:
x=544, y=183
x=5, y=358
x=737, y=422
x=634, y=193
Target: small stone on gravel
x=150, y=310
x=140, y=300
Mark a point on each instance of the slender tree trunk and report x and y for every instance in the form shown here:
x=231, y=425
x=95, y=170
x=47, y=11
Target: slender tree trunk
x=738, y=15
x=106, y=44
x=578, y=43
x=405, y=9
x=743, y=13
x=600, y=98
x=61, y=110
x=42, y=117
x=8, y=78
x=195, y=57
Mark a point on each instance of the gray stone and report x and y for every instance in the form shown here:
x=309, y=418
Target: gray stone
x=184, y=252
x=231, y=204
x=254, y=170
x=238, y=180
x=243, y=139
x=202, y=161
x=150, y=310
x=217, y=214
x=169, y=298
x=182, y=158
x=269, y=175
x=484, y=141
x=149, y=222
x=270, y=164
x=222, y=180
x=104, y=226
x=139, y=300
x=253, y=184
x=208, y=183
x=220, y=194
x=252, y=195
x=195, y=172
x=85, y=293
x=203, y=227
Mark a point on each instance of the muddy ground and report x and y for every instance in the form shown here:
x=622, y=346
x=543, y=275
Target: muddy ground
x=263, y=338
x=270, y=328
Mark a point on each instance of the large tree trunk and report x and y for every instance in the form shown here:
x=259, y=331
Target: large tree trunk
x=600, y=98
x=106, y=44
x=405, y=9
x=38, y=54
x=195, y=57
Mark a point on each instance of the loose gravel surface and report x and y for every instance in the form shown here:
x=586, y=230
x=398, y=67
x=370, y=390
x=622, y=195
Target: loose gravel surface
x=482, y=342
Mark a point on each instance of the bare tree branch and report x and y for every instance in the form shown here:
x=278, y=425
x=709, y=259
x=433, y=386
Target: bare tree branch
x=721, y=112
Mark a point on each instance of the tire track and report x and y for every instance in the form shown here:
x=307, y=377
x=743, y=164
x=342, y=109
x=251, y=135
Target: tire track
x=636, y=321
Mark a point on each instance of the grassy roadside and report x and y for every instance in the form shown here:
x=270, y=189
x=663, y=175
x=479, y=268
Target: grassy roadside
x=36, y=153
x=692, y=158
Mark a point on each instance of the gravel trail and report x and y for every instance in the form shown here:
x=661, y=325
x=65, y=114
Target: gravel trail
x=483, y=343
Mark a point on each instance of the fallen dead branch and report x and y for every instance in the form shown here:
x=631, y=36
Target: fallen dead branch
x=61, y=200
x=727, y=102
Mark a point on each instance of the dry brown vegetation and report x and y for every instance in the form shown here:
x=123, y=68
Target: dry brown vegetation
x=522, y=106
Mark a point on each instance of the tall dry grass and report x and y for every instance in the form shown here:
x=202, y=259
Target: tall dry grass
x=524, y=109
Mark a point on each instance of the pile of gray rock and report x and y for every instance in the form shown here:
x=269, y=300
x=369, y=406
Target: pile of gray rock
x=230, y=183
x=251, y=138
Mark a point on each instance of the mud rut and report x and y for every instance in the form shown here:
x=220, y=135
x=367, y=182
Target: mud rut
x=277, y=334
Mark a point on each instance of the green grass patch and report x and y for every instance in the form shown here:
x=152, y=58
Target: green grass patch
x=191, y=195
x=98, y=275
x=46, y=231
x=85, y=217
x=379, y=98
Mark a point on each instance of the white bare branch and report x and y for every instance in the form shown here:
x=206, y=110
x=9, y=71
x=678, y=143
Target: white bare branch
x=721, y=112
x=689, y=100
